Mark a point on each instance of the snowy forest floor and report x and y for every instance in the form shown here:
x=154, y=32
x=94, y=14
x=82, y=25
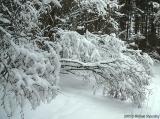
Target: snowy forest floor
x=78, y=102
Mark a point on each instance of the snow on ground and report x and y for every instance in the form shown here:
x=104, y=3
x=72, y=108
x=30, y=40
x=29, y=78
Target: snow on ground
x=154, y=100
x=78, y=102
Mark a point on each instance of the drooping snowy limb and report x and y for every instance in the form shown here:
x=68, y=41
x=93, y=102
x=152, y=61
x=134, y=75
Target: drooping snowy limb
x=121, y=72
x=73, y=65
x=114, y=83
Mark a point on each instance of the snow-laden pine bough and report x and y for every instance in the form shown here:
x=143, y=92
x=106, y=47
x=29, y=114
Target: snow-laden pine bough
x=27, y=75
x=122, y=73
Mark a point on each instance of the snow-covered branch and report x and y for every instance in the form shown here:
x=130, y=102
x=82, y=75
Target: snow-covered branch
x=28, y=72
x=122, y=73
